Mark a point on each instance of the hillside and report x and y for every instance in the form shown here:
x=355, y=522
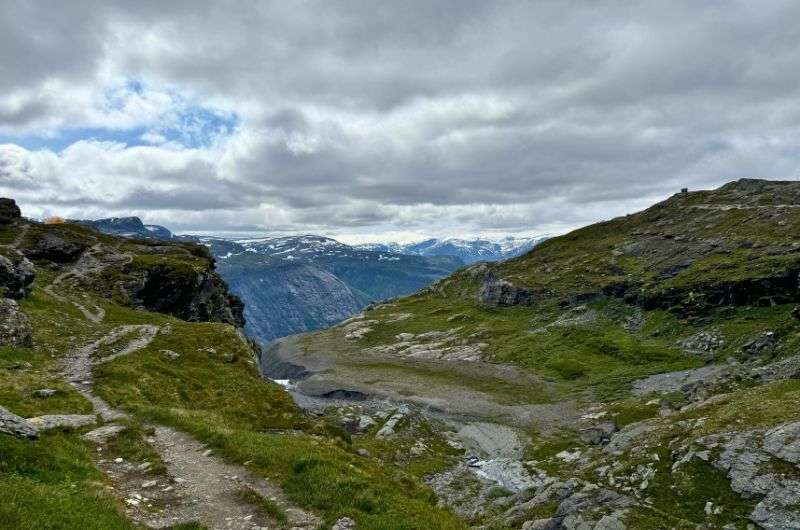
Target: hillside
x=640, y=372
x=129, y=399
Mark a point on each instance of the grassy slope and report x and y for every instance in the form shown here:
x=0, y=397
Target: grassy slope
x=597, y=360
x=212, y=391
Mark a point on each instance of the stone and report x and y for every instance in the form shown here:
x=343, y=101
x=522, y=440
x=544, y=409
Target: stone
x=62, y=421
x=345, y=523
x=9, y=211
x=552, y=523
x=15, y=277
x=388, y=427
x=502, y=293
x=765, y=341
x=702, y=342
x=625, y=437
x=362, y=452
x=104, y=433
x=169, y=354
x=598, y=434
x=44, y=392
x=15, y=425
x=15, y=328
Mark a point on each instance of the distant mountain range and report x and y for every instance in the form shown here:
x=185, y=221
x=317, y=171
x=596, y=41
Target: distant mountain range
x=467, y=250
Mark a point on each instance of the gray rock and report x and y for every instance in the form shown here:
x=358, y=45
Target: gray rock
x=362, y=452
x=15, y=425
x=687, y=381
x=15, y=277
x=783, y=442
x=44, y=392
x=502, y=293
x=169, y=354
x=15, y=328
x=624, y=438
x=552, y=523
x=62, y=421
x=702, y=342
x=345, y=523
x=598, y=434
x=53, y=247
x=388, y=427
x=764, y=342
x=101, y=434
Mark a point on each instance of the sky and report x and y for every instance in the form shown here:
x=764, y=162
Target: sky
x=383, y=120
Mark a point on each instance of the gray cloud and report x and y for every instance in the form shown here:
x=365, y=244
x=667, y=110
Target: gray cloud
x=427, y=116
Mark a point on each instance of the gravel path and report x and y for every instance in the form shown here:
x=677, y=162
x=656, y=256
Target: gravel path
x=199, y=487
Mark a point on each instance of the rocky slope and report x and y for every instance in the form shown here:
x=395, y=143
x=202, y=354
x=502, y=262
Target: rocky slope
x=129, y=399
x=468, y=251
x=637, y=373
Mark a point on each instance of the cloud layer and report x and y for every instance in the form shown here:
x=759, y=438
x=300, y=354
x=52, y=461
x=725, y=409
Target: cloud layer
x=356, y=118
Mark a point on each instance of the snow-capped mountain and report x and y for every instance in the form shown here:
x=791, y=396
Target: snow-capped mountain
x=467, y=250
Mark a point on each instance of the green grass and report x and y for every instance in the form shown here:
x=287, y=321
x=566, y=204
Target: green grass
x=51, y=483
x=269, y=507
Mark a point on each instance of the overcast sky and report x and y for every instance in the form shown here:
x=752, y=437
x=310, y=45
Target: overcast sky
x=390, y=120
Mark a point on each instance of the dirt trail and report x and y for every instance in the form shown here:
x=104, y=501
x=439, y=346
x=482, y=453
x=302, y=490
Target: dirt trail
x=200, y=486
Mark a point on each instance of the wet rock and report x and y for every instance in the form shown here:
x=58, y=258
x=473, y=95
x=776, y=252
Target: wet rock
x=62, y=421
x=345, y=523
x=15, y=277
x=15, y=328
x=502, y=293
x=54, y=248
x=15, y=425
x=9, y=211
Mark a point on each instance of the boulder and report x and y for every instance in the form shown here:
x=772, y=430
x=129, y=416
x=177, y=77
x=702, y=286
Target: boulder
x=761, y=344
x=15, y=425
x=15, y=328
x=15, y=277
x=53, y=247
x=9, y=211
x=598, y=434
x=345, y=523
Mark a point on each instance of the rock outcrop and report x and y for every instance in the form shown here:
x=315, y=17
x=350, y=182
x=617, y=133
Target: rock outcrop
x=15, y=277
x=9, y=211
x=502, y=293
x=15, y=328
x=55, y=248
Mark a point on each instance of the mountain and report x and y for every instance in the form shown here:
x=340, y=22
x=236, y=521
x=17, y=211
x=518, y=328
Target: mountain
x=641, y=372
x=301, y=283
x=129, y=399
x=294, y=284
x=468, y=251
x=128, y=227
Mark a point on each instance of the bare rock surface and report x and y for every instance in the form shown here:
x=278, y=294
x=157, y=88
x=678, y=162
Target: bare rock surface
x=15, y=425
x=15, y=328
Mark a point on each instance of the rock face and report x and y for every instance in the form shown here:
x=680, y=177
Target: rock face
x=14, y=425
x=55, y=248
x=197, y=296
x=15, y=328
x=15, y=277
x=502, y=293
x=9, y=211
